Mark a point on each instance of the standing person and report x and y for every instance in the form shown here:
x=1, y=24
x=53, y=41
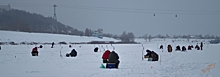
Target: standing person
x=113, y=58
x=201, y=45
x=105, y=56
x=52, y=45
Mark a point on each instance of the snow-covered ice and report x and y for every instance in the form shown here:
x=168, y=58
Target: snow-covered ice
x=16, y=60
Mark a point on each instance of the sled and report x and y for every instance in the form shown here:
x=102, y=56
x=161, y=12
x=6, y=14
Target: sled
x=34, y=54
x=110, y=65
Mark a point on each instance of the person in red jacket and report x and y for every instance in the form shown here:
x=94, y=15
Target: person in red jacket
x=105, y=56
x=34, y=51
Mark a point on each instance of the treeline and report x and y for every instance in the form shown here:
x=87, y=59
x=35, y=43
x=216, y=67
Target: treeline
x=19, y=20
x=149, y=37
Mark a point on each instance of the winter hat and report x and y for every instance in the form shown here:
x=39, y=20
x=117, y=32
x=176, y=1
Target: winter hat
x=148, y=50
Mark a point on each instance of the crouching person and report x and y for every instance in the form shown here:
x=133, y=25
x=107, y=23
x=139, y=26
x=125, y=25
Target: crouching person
x=34, y=51
x=105, y=56
x=151, y=55
x=113, y=58
x=73, y=53
x=154, y=56
x=148, y=55
x=96, y=49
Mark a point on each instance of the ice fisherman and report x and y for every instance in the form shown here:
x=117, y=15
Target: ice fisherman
x=52, y=45
x=73, y=53
x=169, y=48
x=201, y=45
x=34, y=51
x=151, y=55
x=96, y=49
x=105, y=56
x=114, y=58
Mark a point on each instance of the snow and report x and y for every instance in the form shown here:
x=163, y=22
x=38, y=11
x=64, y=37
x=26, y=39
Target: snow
x=16, y=60
x=18, y=37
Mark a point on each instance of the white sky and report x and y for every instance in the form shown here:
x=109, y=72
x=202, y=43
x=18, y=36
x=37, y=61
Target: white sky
x=116, y=16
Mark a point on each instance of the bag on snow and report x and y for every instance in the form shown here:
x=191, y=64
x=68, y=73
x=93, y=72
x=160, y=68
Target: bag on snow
x=102, y=66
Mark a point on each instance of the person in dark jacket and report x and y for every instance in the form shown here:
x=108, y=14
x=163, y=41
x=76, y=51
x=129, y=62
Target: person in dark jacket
x=197, y=47
x=105, y=56
x=96, y=49
x=183, y=48
x=169, y=48
x=178, y=48
x=113, y=58
x=73, y=53
x=41, y=46
x=52, y=45
x=154, y=56
x=161, y=46
x=148, y=55
x=201, y=45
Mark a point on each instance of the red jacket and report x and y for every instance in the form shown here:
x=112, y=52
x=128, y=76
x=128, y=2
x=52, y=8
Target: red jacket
x=34, y=49
x=106, y=54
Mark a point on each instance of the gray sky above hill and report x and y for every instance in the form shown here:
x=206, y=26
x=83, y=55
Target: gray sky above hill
x=137, y=16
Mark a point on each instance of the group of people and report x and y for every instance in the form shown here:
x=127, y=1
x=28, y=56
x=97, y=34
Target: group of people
x=178, y=48
x=35, y=51
x=73, y=53
x=183, y=48
x=110, y=57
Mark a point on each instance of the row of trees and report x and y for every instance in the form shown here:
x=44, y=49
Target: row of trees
x=149, y=37
x=180, y=36
x=19, y=20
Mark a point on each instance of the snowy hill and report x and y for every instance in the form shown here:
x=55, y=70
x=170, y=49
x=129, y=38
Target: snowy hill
x=18, y=37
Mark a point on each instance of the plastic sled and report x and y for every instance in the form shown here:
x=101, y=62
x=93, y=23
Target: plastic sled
x=110, y=65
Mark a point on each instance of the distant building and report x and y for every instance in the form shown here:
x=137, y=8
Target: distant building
x=216, y=41
x=5, y=7
x=98, y=33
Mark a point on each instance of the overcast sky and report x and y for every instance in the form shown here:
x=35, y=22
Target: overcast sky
x=152, y=17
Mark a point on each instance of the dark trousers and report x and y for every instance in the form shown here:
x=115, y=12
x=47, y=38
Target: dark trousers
x=105, y=60
x=116, y=64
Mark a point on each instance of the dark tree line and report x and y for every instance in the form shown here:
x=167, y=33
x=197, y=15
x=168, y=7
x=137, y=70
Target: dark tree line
x=19, y=20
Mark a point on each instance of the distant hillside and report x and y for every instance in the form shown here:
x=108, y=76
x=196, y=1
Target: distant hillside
x=18, y=20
